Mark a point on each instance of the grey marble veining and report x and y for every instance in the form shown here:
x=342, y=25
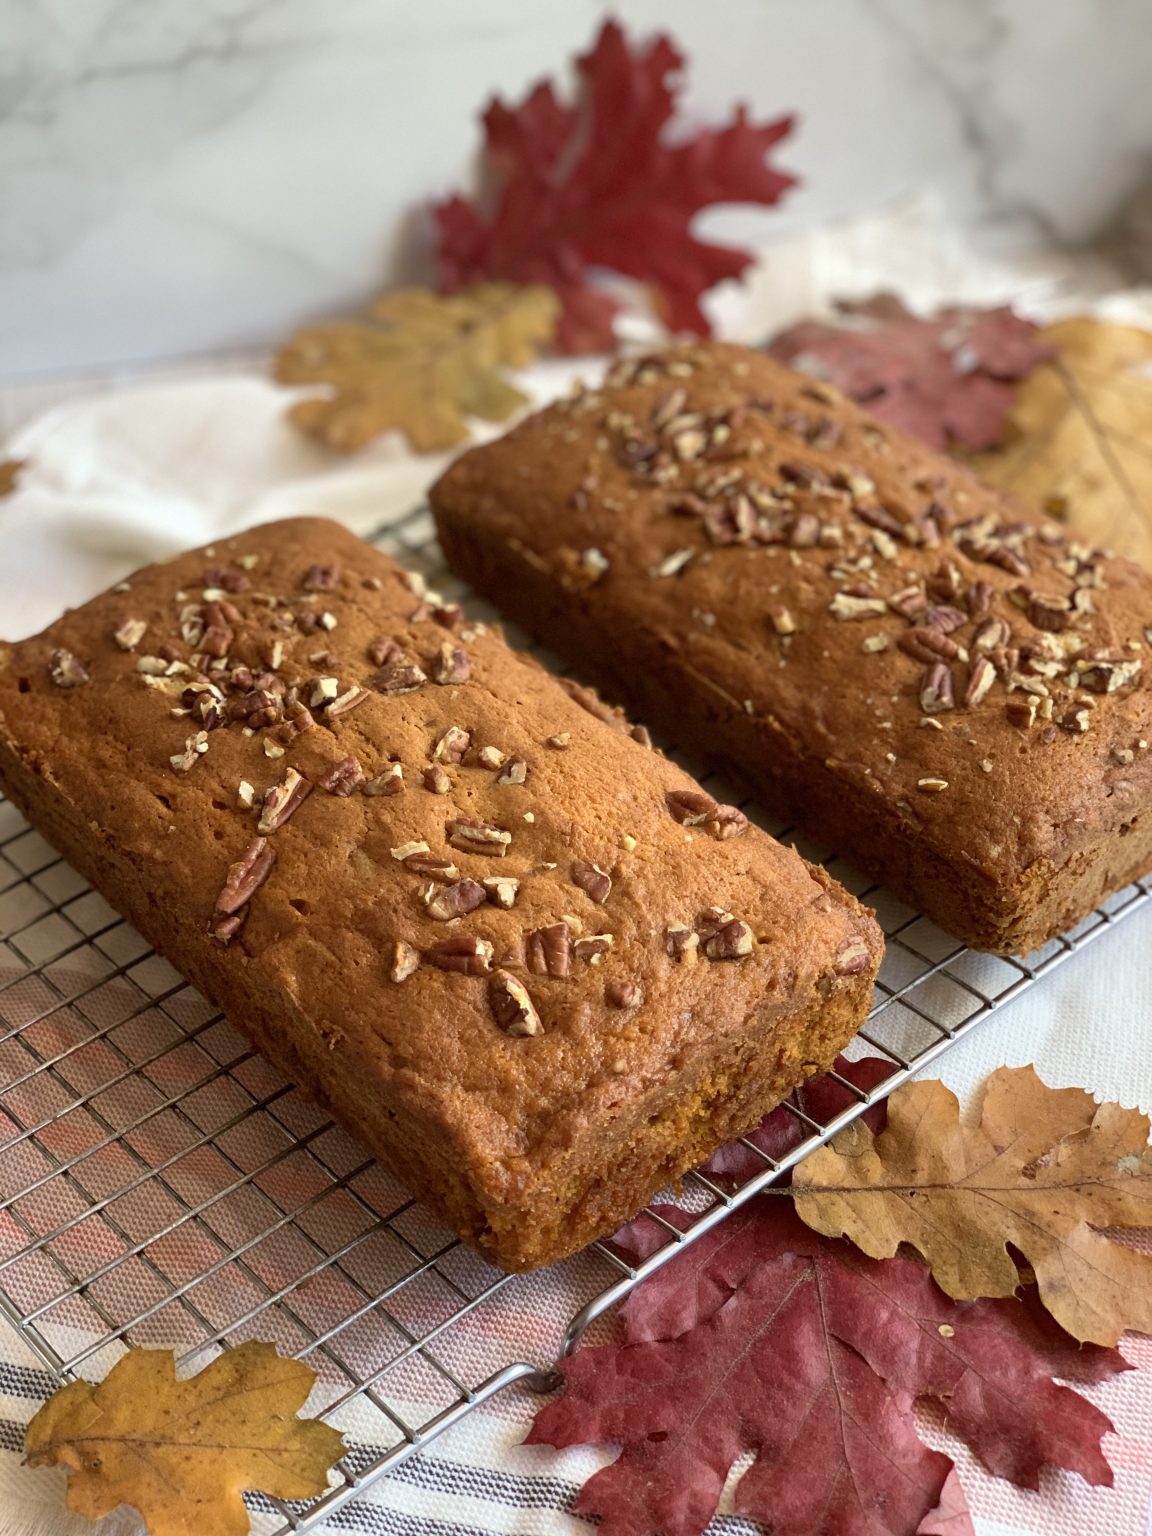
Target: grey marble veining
x=181, y=177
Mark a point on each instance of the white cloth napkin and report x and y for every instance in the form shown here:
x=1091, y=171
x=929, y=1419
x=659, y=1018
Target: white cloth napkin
x=133, y=474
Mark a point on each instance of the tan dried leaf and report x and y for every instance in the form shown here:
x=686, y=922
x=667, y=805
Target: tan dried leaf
x=183, y=1452
x=1046, y=1170
x=421, y=364
x=1079, y=442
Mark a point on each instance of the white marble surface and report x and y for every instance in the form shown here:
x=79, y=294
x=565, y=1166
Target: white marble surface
x=177, y=177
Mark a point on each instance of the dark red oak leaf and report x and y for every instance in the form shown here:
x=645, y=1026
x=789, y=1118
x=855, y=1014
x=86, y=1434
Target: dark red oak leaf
x=597, y=184
x=947, y=379
x=765, y=1337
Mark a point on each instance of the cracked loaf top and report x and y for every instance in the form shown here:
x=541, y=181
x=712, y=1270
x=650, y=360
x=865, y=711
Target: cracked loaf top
x=975, y=667
x=491, y=891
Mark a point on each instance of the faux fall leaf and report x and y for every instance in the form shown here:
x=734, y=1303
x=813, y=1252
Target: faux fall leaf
x=597, y=184
x=763, y=1337
x=1045, y=1171
x=183, y=1452
x=1080, y=439
x=421, y=363
x=949, y=379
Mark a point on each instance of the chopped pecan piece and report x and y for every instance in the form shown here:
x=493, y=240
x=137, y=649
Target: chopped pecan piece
x=472, y=836
x=399, y=676
x=852, y=957
x=731, y=941
x=1076, y=720
x=550, y=950
x=452, y=665
x=323, y=691
x=981, y=676
x=726, y=821
x=593, y=947
x=782, y=621
x=595, y=882
x=623, y=994
x=245, y=877
x=389, y=782
x=436, y=779
x=1050, y=613
x=405, y=960
x=225, y=928
x=321, y=578
x=491, y=758
x=909, y=601
x=451, y=744
x=928, y=645
x=66, y=671
x=560, y=741
x=351, y=698
x=501, y=891
x=936, y=692
x=281, y=800
x=512, y=1007
x=992, y=635
x=932, y=785
x=1021, y=710
x=513, y=771
x=682, y=943
x=690, y=807
x=343, y=778
x=1105, y=676
x=129, y=634
x=455, y=900
x=843, y=606
x=383, y=650
x=945, y=618
x=194, y=749
x=463, y=952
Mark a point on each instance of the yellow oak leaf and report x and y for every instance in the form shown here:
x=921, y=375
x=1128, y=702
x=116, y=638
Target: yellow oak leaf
x=1079, y=440
x=1045, y=1170
x=183, y=1452
x=421, y=364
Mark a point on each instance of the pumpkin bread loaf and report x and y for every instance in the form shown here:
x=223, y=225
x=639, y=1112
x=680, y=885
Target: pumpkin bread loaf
x=944, y=687
x=513, y=949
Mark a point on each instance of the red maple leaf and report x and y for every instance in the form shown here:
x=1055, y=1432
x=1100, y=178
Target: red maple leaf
x=596, y=184
x=946, y=379
x=766, y=1338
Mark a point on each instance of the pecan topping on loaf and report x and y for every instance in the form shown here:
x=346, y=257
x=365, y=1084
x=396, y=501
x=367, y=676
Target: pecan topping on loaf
x=852, y=957
x=451, y=745
x=405, y=960
x=400, y=676
x=351, y=698
x=512, y=1007
x=452, y=665
x=66, y=671
x=690, y=807
x=472, y=836
x=462, y=952
x=321, y=578
x=281, y=800
x=436, y=779
x=456, y=900
x=129, y=634
x=244, y=879
x=731, y=941
x=549, y=950
x=596, y=883
x=513, y=771
x=593, y=947
x=389, y=782
x=501, y=890
x=343, y=778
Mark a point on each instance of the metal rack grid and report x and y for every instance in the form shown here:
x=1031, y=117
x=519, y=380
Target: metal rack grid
x=161, y=1184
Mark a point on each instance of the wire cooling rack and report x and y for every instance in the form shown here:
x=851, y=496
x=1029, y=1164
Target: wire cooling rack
x=162, y=1185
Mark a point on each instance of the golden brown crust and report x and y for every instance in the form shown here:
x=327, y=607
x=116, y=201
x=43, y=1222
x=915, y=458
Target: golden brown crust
x=511, y=1133
x=937, y=683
